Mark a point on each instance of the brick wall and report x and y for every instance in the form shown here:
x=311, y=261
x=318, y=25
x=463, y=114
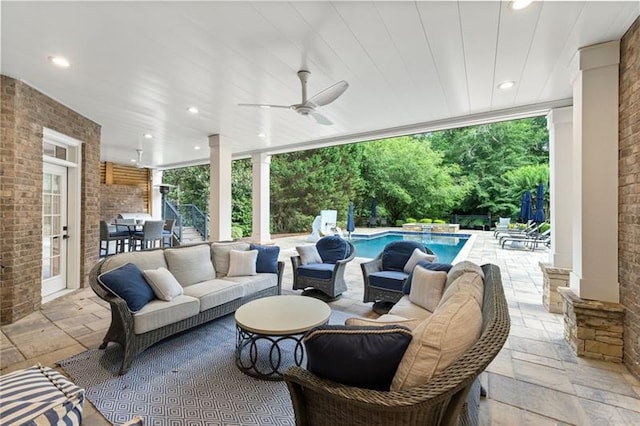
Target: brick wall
x=116, y=199
x=629, y=194
x=25, y=112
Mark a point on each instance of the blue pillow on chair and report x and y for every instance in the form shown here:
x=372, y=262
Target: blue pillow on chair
x=267, y=258
x=365, y=357
x=432, y=266
x=128, y=282
x=332, y=248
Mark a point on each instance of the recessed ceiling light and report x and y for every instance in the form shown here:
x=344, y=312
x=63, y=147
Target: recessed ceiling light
x=506, y=85
x=193, y=110
x=262, y=135
x=133, y=160
x=520, y=4
x=148, y=136
x=60, y=61
x=196, y=147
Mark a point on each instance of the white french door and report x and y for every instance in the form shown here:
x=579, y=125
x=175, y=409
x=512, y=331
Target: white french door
x=54, y=229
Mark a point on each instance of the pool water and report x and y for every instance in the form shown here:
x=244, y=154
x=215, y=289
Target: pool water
x=445, y=246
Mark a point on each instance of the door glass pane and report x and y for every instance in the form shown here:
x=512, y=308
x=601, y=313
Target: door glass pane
x=46, y=226
x=55, y=246
x=55, y=266
x=55, y=204
x=55, y=184
x=46, y=183
x=61, y=153
x=49, y=149
x=46, y=268
x=46, y=204
x=55, y=225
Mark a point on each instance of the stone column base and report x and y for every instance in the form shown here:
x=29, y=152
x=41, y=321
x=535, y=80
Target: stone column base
x=553, y=278
x=593, y=328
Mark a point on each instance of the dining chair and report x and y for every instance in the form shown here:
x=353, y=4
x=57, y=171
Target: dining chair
x=167, y=233
x=106, y=236
x=151, y=232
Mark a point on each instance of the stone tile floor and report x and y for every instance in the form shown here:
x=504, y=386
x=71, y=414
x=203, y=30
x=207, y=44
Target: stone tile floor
x=535, y=379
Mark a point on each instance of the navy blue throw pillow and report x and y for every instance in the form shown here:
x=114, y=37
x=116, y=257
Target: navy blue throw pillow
x=396, y=254
x=267, y=258
x=365, y=357
x=432, y=266
x=332, y=248
x=128, y=283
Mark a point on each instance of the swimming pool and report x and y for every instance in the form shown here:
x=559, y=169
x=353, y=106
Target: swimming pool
x=445, y=246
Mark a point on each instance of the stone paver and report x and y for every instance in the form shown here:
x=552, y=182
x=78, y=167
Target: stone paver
x=535, y=379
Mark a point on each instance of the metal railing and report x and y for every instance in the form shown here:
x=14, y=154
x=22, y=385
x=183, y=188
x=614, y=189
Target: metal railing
x=169, y=211
x=193, y=216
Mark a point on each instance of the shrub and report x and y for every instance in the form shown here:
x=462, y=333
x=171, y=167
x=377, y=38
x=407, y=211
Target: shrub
x=544, y=227
x=236, y=232
x=426, y=221
x=439, y=221
x=411, y=220
x=399, y=222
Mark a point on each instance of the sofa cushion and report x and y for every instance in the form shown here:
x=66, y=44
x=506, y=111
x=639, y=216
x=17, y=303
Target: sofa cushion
x=385, y=319
x=242, y=263
x=391, y=280
x=439, y=341
x=432, y=266
x=308, y=255
x=407, y=309
x=147, y=259
x=163, y=283
x=267, y=258
x=460, y=268
x=256, y=283
x=332, y=248
x=159, y=313
x=128, y=283
x=190, y=265
x=417, y=256
x=322, y=271
x=427, y=288
x=396, y=254
x=214, y=292
x=365, y=357
x=220, y=253
x=468, y=283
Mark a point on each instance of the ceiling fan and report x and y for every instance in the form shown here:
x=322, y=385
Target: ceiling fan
x=139, y=164
x=308, y=106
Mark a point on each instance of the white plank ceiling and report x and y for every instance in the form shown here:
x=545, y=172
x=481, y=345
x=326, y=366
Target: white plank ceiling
x=412, y=66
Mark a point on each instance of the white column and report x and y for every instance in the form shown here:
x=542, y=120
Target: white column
x=261, y=167
x=595, y=184
x=219, y=189
x=560, y=125
x=156, y=196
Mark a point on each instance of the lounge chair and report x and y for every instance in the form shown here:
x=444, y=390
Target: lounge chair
x=502, y=225
x=531, y=242
x=530, y=231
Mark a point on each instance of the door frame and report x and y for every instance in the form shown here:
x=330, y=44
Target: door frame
x=73, y=163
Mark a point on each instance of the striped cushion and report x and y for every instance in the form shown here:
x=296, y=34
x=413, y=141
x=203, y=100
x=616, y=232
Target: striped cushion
x=39, y=395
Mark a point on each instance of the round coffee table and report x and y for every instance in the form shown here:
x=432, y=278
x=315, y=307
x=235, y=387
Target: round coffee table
x=263, y=325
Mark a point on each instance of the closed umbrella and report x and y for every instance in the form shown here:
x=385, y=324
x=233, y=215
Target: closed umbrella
x=525, y=207
x=351, y=226
x=372, y=219
x=540, y=217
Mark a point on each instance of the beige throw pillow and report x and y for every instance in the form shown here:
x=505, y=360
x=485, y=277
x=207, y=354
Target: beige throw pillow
x=468, y=283
x=460, y=268
x=385, y=319
x=163, y=283
x=439, y=341
x=190, y=265
x=308, y=254
x=221, y=255
x=416, y=257
x=242, y=263
x=427, y=287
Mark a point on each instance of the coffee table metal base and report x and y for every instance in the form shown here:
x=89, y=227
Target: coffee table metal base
x=271, y=361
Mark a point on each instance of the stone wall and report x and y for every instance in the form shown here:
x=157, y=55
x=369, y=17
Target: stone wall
x=25, y=112
x=629, y=194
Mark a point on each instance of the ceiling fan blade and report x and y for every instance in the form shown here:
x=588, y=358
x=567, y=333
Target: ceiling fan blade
x=320, y=119
x=329, y=94
x=266, y=106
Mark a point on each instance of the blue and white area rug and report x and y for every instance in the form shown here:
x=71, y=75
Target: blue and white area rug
x=188, y=379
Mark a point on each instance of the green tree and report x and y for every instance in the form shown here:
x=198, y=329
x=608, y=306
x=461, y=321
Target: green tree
x=408, y=178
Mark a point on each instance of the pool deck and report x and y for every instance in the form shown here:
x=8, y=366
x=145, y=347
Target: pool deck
x=535, y=379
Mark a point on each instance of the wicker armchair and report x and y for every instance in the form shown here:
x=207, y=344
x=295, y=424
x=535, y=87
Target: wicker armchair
x=450, y=398
x=332, y=283
x=388, y=287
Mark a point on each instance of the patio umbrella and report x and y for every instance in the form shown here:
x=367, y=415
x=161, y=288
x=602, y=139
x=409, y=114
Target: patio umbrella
x=525, y=207
x=374, y=207
x=540, y=217
x=351, y=226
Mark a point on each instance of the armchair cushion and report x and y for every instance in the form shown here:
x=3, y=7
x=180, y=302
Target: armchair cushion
x=308, y=255
x=416, y=257
x=190, y=265
x=332, y=248
x=128, y=283
x=396, y=254
x=391, y=280
x=365, y=357
x=432, y=266
x=267, y=258
x=323, y=271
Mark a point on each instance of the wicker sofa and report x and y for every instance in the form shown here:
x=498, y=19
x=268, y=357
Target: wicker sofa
x=450, y=398
x=201, y=302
